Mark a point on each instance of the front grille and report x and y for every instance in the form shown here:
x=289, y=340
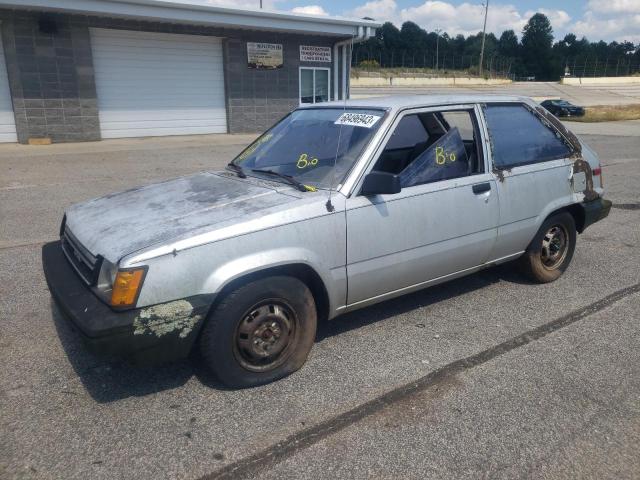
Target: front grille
x=83, y=262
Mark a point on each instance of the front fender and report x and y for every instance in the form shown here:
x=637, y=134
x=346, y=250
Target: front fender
x=334, y=280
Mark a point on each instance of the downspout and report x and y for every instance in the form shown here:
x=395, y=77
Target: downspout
x=362, y=35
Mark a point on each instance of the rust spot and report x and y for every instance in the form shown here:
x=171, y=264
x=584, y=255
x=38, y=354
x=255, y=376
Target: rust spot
x=580, y=165
x=500, y=173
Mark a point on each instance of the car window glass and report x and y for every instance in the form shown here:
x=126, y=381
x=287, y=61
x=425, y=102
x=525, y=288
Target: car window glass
x=462, y=121
x=408, y=132
x=518, y=137
x=427, y=139
x=316, y=146
x=444, y=159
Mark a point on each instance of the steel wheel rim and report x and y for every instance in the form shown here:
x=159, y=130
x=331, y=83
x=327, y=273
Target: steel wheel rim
x=555, y=243
x=265, y=335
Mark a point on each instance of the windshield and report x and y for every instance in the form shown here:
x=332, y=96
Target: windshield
x=304, y=145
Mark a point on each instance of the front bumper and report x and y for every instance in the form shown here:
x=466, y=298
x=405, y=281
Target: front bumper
x=594, y=211
x=162, y=332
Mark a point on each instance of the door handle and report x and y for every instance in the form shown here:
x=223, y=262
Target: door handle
x=479, y=188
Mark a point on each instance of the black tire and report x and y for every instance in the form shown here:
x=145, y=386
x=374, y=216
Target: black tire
x=260, y=332
x=548, y=255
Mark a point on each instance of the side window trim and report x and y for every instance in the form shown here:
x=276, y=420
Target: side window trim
x=478, y=118
x=545, y=123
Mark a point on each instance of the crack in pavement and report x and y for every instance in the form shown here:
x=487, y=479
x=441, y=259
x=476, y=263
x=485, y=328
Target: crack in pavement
x=627, y=206
x=296, y=442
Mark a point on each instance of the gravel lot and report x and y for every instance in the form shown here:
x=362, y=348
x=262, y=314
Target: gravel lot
x=437, y=385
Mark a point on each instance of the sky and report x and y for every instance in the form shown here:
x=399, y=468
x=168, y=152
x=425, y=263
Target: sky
x=596, y=19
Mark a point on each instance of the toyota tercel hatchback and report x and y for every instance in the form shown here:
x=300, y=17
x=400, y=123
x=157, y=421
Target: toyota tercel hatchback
x=336, y=207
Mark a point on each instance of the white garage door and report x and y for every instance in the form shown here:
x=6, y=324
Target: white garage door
x=151, y=84
x=7, y=119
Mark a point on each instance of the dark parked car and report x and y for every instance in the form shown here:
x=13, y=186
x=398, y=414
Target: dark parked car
x=562, y=108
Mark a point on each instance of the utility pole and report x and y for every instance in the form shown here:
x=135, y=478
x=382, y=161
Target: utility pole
x=484, y=29
x=437, y=30
x=260, y=3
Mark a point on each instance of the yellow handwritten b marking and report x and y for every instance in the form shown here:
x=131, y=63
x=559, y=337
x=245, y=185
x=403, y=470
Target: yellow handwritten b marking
x=304, y=162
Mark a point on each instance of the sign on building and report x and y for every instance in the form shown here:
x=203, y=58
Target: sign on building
x=309, y=53
x=264, y=55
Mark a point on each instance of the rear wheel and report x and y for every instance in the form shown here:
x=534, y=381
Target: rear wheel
x=550, y=252
x=260, y=332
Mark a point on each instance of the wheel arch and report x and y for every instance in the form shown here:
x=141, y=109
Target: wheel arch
x=576, y=211
x=302, y=271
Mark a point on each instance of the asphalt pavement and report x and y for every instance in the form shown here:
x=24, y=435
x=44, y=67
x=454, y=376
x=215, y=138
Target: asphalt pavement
x=484, y=377
x=586, y=95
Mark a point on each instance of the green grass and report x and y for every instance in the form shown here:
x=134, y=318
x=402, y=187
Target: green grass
x=608, y=113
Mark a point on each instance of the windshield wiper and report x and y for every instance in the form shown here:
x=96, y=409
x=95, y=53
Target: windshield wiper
x=238, y=169
x=288, y=178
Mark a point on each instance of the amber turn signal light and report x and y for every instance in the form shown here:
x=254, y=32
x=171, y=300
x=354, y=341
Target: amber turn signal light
x=126, y=287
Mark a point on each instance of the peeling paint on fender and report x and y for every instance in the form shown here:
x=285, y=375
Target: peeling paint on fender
x=169, y=317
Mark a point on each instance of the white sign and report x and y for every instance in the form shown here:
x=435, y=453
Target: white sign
x=309, y=53
x=264, y=55
x=365, y=120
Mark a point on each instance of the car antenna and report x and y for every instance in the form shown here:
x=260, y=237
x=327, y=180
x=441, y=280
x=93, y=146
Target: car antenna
x=329, y=205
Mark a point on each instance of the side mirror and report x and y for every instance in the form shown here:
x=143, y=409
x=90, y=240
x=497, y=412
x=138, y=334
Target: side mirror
x=376, y=183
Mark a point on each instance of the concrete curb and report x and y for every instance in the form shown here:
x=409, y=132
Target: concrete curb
x=599, y=80
x=424, y=81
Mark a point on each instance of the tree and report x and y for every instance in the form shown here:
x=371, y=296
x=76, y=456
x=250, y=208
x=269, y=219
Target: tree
x=537, y=53
x=389, y=35
x=413, y=37
x=508, y=44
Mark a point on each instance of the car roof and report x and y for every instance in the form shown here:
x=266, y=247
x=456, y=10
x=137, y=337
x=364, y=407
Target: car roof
x=400, y=102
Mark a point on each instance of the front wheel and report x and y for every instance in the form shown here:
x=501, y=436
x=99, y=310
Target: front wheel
x=260, y=332
x=550, y=252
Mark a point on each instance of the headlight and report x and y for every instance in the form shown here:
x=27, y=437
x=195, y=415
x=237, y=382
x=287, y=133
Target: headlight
x=119, y=288
x=106, y=277
x=126, y=286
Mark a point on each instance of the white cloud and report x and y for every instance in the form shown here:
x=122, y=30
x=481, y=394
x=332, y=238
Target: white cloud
x=614, y=6
x=465, y=18
x=558, y=18
x=602, y=19
x=310, y=10
x=383, y=10
x=610, y=20
x=595, y=27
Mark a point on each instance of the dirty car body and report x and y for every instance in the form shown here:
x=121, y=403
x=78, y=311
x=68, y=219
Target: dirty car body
x=420, y=190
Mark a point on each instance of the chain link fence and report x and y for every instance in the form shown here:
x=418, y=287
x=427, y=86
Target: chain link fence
x=602, y=67
x=428, y=63
x=494, y=66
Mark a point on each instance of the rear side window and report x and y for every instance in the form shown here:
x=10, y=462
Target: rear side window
x=518, y=137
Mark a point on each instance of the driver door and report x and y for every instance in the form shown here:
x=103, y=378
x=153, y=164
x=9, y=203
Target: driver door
x=400, y=242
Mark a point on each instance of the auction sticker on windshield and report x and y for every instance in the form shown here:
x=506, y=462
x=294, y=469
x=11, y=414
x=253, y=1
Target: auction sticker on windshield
x=357, y=119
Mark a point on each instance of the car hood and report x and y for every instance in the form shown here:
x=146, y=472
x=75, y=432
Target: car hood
x=121, y=223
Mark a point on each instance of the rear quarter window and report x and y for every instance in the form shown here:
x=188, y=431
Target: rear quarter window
x=518, y=137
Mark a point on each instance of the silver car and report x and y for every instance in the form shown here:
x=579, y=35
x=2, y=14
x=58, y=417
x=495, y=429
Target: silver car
x=336, y=207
